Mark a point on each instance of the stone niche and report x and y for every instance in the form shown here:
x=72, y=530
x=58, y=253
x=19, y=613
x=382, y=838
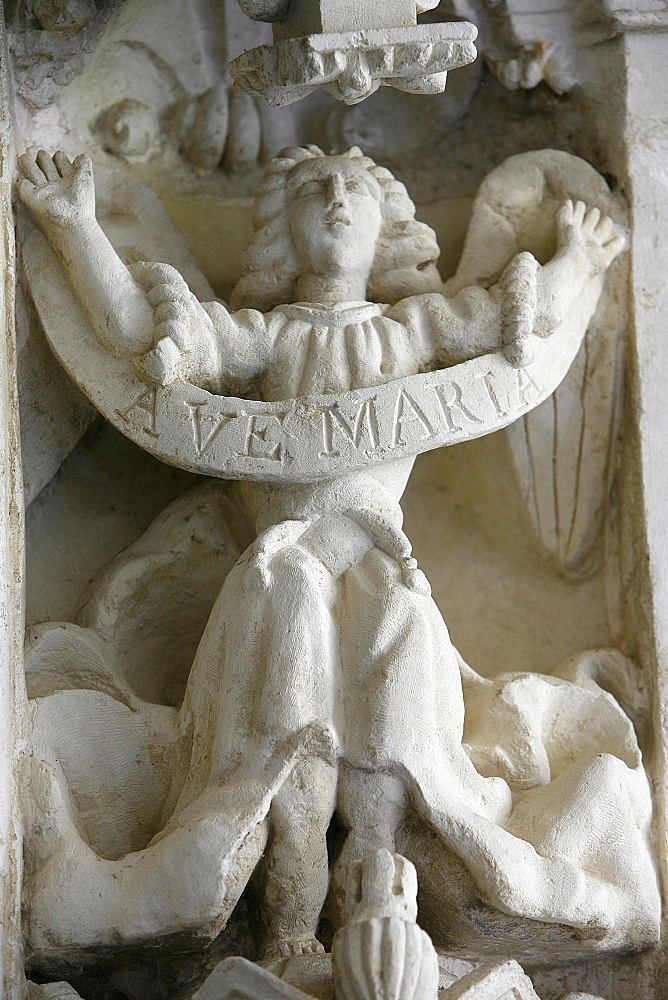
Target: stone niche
x=159, y=610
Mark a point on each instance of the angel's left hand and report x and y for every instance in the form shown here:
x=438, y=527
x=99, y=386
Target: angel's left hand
x=590, y=233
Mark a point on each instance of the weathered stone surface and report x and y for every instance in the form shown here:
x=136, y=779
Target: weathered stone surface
x=124, y=889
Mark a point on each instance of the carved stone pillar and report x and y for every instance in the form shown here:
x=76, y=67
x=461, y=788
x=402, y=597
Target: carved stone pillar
x=12, y=688
x=645, y=50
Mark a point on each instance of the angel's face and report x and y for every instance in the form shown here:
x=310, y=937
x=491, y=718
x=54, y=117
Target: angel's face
x=335, y=216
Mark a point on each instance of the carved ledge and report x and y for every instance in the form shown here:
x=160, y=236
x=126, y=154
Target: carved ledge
x=353, y=65
x=494, y=981
x=52, y=991
x=239, y=979
x=599, y=20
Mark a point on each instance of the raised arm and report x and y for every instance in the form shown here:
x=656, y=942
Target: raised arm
x=537, y=299
x=587, y=244
x=528, y=299
x=61, y=197
x=146, y=312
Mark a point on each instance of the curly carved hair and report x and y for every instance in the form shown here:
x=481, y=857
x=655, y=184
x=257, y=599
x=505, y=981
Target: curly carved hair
x=270, y=267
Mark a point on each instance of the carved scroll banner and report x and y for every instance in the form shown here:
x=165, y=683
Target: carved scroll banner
x=298, y=440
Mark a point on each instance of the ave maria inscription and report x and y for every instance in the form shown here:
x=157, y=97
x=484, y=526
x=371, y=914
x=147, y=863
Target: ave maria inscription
x=319, y=437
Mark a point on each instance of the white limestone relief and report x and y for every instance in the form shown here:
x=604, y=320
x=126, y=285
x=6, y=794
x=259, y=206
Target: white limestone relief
x=340, y=431
x=324, y=683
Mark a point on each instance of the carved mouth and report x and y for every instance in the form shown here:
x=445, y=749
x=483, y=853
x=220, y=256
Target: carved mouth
x=338, y=219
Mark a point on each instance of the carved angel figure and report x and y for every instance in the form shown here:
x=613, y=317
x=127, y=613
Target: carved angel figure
x=326, y=682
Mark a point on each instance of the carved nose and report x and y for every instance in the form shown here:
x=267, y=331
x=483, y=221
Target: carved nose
x=337, y=191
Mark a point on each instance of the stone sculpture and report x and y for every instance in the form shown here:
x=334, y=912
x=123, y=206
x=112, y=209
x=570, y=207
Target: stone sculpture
x=325, y=681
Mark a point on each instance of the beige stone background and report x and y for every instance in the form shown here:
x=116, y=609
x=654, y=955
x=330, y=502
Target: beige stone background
x=507, y=606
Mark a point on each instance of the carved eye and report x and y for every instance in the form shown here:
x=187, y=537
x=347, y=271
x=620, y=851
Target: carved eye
x=310, y=187
x=357, y=185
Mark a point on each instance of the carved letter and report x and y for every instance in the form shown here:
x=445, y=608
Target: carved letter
x=147, y=403
x=502, y=409
x=528, y=387
x=202, y=443
x=256, y=444
x=407, y=411
x=364, y=419
x=454, y=410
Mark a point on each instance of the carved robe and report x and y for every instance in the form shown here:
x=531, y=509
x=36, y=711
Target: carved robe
x=324, y=641
x=315, y=627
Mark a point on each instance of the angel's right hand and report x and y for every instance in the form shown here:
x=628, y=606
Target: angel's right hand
x=185, y=342
x=60, y=194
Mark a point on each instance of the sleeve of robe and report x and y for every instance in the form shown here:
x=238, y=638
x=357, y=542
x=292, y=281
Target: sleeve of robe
x=244, y=349
x=445, y=331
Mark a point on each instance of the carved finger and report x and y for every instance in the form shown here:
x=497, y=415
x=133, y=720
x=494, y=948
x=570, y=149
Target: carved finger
x=47, y=166
x=160, y=274
x=532, y=74
x=565, y=214
x=164, y=292
x=177, y=333
x=63, y=164
x=579, y=209
x=591, y=220
x=30, y=169
x=82, y=160
x=167, y=311
x=161, y=365
x=605, y=229
x=615, y=234
x=26, y=190
x=82, y=167
x=614, y=247
x=520, y=353
x=82, y=172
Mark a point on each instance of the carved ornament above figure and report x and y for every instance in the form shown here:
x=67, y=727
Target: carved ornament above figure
x=279, y=10
x=351, y=50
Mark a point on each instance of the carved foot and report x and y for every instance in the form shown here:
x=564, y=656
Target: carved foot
x=304, y=944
